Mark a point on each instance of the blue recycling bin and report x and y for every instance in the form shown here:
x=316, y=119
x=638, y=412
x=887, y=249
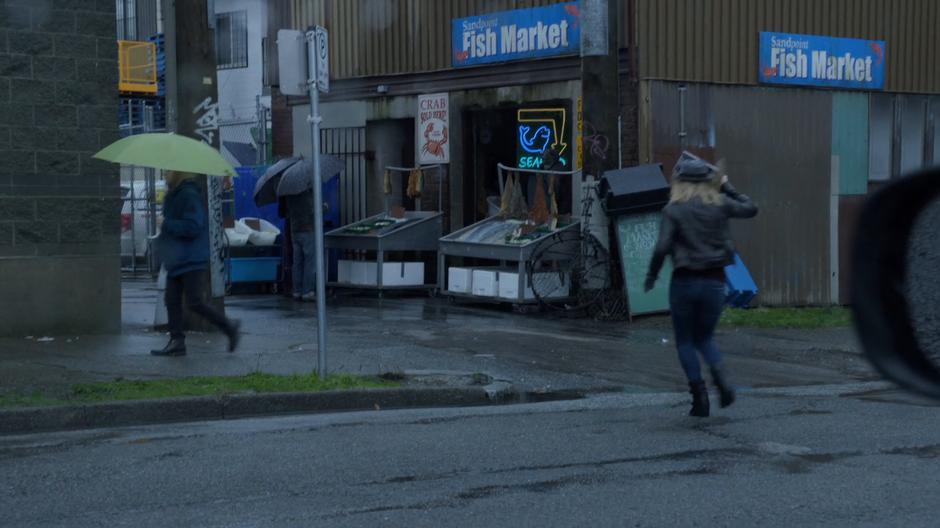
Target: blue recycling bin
x=244, y=189
x=741, y=286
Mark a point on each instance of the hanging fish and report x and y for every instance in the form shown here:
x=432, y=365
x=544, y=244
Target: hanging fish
x=506, y=199
x=518, y=210
x=539, y=214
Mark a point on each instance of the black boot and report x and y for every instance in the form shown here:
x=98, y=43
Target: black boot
x=176, y=347
x=234, y=334
x=699, y=393
x=725, y=390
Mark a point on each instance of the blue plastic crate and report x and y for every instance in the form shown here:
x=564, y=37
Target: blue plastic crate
x=253, y=269
x=741, y=286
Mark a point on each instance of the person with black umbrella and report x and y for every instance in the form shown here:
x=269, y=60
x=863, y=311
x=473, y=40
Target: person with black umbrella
x=694, y=232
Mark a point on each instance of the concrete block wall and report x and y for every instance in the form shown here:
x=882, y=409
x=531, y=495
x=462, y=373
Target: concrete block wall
x=59, y=208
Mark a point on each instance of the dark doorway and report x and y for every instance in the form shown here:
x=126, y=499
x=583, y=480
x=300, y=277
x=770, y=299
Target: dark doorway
x=389, y=142
x=490, y=140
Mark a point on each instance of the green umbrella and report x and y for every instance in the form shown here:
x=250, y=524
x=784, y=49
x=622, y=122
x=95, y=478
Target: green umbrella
x=168, y=152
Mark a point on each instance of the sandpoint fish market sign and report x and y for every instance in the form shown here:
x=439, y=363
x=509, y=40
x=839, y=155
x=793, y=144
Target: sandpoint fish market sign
x=809, y=60
x=519, y=34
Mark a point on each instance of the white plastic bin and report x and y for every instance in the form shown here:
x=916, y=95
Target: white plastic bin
x=237, y=236
x=265, y=236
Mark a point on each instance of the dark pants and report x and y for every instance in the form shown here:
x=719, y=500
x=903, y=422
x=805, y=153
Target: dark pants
x=303, y=271
x=189, y=285
x=696, y=305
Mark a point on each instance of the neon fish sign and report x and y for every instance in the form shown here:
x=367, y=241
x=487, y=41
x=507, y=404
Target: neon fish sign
x=538, y=130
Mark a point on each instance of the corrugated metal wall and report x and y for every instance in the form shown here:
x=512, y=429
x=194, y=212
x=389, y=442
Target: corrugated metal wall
x=382, y=37
x=787, y=247
x=717, y=40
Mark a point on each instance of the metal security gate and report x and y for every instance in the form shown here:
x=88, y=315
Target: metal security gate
x=349, y=144
x=142, y=189
x=245, y=139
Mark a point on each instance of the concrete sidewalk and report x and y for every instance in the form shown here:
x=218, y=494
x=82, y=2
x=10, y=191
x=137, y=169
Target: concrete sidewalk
x=431, y=337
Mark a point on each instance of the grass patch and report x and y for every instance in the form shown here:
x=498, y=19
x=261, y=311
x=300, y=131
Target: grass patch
x=255, y=382
x=807, y=318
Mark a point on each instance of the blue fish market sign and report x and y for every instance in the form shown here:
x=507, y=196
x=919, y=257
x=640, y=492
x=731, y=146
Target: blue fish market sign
x=514, y=35
x=809, y=60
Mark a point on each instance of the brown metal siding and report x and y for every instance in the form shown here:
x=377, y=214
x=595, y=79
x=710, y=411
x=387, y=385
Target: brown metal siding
x=786, y=247
x=717, y=40
x=385, y=37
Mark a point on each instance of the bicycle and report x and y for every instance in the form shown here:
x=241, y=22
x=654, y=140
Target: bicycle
x=577, y=283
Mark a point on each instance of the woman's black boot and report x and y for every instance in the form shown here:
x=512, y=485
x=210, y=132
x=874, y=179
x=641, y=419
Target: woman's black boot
x=699, y=393
x=725, y=390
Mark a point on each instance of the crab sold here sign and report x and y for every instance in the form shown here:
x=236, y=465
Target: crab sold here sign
x=433, y=128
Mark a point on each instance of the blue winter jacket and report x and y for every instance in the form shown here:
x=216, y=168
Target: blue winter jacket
x=184, y=237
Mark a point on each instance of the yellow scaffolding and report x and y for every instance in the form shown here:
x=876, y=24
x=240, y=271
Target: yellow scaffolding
x=138, y=67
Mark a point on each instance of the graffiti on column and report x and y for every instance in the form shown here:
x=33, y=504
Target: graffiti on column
x=208, y=123
x=207, y=126
x=597, y=144
x=216, y=237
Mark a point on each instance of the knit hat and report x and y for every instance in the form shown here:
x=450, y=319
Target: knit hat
x=694, y=170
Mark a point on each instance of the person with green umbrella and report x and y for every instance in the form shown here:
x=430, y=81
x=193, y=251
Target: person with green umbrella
x=183, y=245
x=183, y=242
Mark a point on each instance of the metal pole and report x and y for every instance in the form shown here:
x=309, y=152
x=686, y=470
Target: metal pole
x=682, y=131
x=133, y=220
x=314, y=120
x=619, y=142
x=151, y=195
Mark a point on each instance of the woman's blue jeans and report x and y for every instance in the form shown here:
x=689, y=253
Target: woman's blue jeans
x=696, y=305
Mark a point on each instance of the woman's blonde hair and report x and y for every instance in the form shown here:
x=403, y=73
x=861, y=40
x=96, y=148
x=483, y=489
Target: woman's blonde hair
x=177, y=177
x=684, y=191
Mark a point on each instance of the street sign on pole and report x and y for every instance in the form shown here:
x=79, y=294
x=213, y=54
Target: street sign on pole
x=303, y=61
x=292, y=62
x=315, y=41
x=323, y=59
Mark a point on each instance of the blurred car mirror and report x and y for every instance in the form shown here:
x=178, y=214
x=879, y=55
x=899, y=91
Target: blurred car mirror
x=893, y=291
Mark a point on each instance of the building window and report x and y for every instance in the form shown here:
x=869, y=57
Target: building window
x=902, y=134
x=231, y=40
x=913, y=128
x=881, y=133
x=126, y=19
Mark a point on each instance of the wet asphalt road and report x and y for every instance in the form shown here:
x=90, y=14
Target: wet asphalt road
x=823, y=456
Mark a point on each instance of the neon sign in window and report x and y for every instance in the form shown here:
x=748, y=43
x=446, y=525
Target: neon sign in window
x=537, y=131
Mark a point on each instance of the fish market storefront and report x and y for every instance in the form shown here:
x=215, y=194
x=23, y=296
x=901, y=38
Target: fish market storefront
x=504, y=95
x=507, y=81
x=812, y=109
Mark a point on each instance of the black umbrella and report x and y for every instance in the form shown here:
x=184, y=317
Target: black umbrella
x=299, y=176
x=266, y=186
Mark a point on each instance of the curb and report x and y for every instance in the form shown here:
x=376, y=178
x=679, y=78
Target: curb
x=143, y=412
x=168, y=410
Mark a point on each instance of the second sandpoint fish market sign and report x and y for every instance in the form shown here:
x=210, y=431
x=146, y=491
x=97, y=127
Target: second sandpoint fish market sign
x=809, y=60
x=519, y=34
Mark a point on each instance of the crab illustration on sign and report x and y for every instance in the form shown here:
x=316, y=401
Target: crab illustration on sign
x=433, y=125
x=435, y=137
